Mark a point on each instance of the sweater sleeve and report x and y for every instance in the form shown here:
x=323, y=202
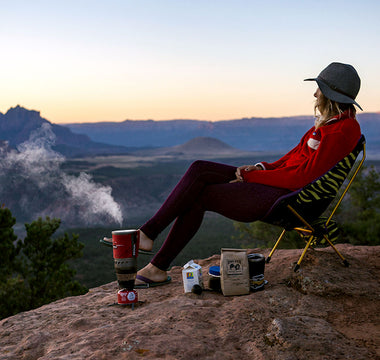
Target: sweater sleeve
x=293, y=175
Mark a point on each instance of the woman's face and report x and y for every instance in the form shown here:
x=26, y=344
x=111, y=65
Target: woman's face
x=318, y=93
x=319, y=96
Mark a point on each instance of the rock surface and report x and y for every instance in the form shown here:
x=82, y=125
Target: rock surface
x=324, y=311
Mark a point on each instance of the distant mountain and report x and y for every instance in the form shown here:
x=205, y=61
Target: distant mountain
x=251, y=134
x=18, y=123
x=245, y=134
x=248, y=134
x=203, y=145
x=197, y=146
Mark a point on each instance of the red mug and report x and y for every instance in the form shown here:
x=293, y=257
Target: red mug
x=125, y=250
x=125, y=243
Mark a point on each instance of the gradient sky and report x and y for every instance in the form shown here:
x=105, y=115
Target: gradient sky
x=111, y=60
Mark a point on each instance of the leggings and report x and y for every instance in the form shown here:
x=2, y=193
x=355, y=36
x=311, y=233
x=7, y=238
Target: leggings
x=205, y=187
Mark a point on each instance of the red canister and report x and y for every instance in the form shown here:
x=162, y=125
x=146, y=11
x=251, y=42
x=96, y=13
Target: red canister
x=127, y=297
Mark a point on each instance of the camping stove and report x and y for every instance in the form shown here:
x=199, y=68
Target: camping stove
x=125, y=245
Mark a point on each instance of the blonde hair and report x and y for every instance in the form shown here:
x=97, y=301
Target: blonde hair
x=325, y=109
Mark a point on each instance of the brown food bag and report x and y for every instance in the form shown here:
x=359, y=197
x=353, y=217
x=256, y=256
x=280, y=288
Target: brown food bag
x=234, y=272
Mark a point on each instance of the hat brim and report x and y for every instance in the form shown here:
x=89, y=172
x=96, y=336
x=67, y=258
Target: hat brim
x=332, y=94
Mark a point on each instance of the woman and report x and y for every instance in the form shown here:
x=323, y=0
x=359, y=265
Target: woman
x=246, y=193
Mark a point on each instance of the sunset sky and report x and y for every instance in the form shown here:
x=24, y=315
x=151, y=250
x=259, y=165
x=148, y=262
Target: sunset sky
x=111, y=60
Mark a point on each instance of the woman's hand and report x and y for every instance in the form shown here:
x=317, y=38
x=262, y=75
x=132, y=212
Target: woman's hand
x=241, y=169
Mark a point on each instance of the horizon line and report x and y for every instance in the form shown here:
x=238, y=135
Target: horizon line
x=176, y=119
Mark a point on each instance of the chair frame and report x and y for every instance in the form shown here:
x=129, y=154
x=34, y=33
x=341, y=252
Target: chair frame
x=307, y=228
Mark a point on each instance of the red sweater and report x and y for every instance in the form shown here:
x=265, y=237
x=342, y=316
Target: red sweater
x=318, y=151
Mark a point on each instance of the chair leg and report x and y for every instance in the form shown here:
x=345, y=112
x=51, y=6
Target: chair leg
x=303, y=253
x=275, y=245
x=345, y=262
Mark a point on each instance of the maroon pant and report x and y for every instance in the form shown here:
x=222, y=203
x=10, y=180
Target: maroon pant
x=205, y=187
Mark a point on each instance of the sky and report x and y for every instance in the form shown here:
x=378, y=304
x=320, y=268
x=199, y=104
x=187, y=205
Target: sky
x=112, y=60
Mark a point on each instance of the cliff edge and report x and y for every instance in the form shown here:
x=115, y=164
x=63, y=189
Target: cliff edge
x=324, y=311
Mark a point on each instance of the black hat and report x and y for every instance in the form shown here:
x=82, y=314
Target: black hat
x=339, y=82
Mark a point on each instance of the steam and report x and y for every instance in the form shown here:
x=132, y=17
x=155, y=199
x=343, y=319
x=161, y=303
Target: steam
x=34, y=184
x=94, y=197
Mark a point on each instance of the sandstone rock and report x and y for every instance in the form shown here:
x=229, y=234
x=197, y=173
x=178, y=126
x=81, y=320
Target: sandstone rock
x=325, y=311
x=307, y=337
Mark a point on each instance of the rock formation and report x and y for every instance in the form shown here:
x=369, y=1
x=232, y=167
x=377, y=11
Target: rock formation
x=324, y=311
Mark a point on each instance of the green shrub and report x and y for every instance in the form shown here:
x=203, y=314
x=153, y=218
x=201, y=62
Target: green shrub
x=35, y=271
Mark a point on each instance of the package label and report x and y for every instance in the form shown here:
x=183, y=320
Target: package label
x=234, y=267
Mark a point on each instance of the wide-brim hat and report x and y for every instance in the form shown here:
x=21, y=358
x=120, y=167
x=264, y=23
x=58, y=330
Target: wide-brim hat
x=339, y=82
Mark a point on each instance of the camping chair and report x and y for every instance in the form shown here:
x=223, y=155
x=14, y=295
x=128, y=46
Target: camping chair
x=301, y=210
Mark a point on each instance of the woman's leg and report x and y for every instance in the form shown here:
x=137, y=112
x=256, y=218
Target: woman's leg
x=199, y=175
x=244, y=202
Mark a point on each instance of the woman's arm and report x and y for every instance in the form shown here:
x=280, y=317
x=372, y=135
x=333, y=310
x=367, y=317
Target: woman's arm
x=304, y=169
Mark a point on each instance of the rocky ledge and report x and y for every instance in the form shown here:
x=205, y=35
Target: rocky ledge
x=324, y=311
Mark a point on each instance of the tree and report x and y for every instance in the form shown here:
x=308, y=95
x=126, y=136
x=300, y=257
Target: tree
x=8, y=251
x=360, y=217
x=36, y=270
x=11, y=283
x=45, y=262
